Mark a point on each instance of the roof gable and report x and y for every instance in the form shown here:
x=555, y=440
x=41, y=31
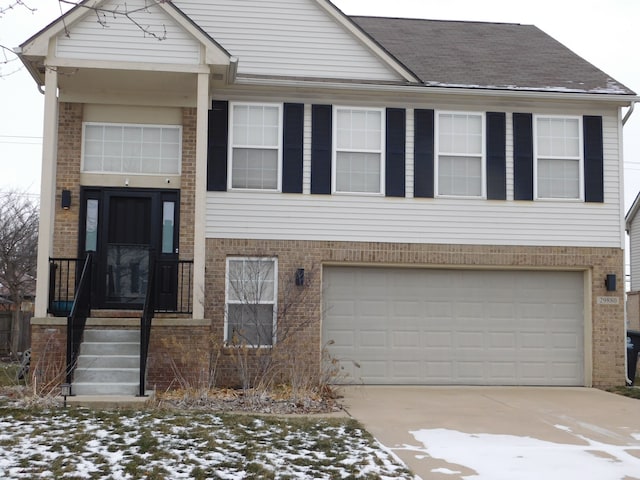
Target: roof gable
x=487, y=55
x=294, y=38
x=157, y=33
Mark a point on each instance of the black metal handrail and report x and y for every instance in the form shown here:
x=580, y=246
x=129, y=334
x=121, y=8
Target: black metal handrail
x=145, y=325
x=64, y=275
x=78, y=316
x=179, y=283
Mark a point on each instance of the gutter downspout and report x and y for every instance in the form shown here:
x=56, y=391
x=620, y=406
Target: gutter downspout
x=629, y=112
x=628, y=381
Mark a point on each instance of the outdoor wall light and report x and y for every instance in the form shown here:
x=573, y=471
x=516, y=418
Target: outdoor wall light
x=66, y=199
x=610, y=282
x=65, y=391
x=300, y=277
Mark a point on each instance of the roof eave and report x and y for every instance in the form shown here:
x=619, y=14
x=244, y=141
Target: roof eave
x=617, y=98
x=631, y=214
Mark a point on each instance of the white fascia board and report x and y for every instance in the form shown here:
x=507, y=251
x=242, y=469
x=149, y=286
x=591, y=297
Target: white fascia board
x=114, y=65
x=619, y=100
x=370, y=43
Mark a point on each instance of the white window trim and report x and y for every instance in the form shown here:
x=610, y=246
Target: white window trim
x=580, y=159
x=137, y=125
x=382, y=151
x=231, y=145
x=274, y=303
x=483, y=155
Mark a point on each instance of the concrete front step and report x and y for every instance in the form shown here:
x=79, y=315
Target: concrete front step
x=86, y=388
x=110, y=401
x=111, y=335
x=106, y=375
x=108, y=361
x=109, y=348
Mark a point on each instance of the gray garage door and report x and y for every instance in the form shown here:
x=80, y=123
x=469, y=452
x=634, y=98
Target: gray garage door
x=464, y=327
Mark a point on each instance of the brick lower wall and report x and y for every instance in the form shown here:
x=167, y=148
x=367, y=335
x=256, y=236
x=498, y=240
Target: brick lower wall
x=48, y=357
x=607, y=320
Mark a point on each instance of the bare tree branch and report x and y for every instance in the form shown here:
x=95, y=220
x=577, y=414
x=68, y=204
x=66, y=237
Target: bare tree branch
x=18, y=250
x=15, y=4
x=123, y=10
x=104, y=17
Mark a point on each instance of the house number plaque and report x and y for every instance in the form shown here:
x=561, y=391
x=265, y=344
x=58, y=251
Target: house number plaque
x=608, y=301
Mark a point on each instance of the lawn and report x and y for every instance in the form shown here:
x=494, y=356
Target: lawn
x=78, y=443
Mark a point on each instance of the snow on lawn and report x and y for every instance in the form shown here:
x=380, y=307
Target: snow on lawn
x=80, y=444
x=507, y=457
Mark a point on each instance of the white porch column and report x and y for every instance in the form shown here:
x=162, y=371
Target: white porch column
x=199, y=241
x=47, y=190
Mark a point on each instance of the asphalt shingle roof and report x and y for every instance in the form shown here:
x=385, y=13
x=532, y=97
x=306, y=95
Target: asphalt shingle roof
x=500, y=56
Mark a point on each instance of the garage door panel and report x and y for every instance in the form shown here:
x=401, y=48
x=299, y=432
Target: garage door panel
x=423, y=326
x=406, y=339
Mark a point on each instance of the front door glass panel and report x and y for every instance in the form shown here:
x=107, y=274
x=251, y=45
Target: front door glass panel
x=128, y=249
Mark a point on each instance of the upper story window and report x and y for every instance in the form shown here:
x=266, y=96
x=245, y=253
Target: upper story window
x=255, y=143
x=251, y=296
x=558, y=157
x=358, y=150
x=132, y=149
x=460, y=154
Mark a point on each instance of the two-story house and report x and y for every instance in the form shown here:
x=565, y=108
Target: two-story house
x=428, y=202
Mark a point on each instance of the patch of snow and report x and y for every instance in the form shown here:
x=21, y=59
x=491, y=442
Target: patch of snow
x=505, y=457
x=563, y=428
x=446, y=471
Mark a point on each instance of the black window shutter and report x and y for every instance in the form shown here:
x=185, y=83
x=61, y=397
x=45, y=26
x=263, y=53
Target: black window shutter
x=321, y=117
x=395, y=152
x=423, y=153
x=217, y=146
x=523, y=156
x=496, y=156
x=593, y=159
x=293, y=137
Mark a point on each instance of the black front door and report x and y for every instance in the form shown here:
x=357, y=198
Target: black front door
x=129, y=229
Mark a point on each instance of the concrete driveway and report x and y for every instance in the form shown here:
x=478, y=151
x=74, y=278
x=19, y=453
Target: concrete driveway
x=510, y=433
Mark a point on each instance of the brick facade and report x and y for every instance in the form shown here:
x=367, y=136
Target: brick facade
x=608, y=347
x=65, y=236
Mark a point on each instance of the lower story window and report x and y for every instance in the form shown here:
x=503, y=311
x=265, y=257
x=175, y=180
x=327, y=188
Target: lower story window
x=251, y=293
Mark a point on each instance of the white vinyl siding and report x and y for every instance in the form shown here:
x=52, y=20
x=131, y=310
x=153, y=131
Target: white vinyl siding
x=460, y=157
x=251, y=293
x=358, y=150
x=464, y=327
x=634, y=253
x=294, y=38
x=120, y=39
x=558, y=153
x=377, y=219
x=255, y=146
x=131, y=149
x=371, y=218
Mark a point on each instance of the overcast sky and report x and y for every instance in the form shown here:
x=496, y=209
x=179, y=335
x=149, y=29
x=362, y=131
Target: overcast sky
x=604, y=33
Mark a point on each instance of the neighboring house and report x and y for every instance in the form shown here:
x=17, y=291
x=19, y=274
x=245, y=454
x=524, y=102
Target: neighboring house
x=633, y=295
x=432, y=202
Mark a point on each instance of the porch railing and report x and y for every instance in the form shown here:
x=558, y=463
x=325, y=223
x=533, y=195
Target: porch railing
x=70, y=288
x=77, y=318
x=64, y=274
x=145, y=327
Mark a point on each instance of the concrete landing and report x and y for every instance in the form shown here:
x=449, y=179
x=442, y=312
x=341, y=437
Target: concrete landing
x=109, y=401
